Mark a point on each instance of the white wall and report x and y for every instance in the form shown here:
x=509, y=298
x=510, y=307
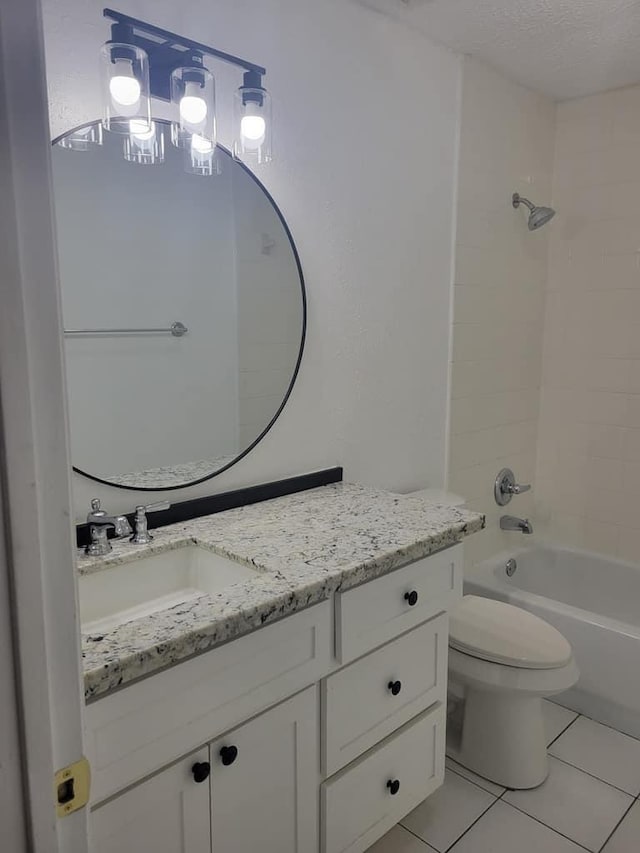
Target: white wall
x=365, y=135
x=589, y=449
x=507, y=137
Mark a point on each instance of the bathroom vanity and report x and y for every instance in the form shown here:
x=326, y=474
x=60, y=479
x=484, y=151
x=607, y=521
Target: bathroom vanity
x=301, y=707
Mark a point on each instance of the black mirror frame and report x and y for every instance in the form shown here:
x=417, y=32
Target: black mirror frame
x=296, y=370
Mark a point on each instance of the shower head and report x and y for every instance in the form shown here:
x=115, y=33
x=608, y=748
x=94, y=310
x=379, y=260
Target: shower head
x=538, y=216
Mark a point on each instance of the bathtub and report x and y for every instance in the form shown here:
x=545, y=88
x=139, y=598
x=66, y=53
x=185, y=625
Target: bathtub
x=595, y=602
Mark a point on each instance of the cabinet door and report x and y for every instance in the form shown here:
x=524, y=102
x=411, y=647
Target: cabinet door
x=169, y=813
x=264, y=781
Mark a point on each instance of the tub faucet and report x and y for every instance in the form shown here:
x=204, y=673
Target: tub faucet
x=511, y=522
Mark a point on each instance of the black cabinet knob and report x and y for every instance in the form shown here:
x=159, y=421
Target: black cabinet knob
x=228, y=754
x=201, y=770
x=411, y=597
x=394, y=786
x=395, y=687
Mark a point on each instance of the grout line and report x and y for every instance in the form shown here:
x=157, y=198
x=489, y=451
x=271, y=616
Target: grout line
x=591, y=719
x=489, y=807
x=615, y=828
x=481, y=815
x=542, y=823
x=593, y=776
x=550, y=744
x=477, y=784
x=426, y=844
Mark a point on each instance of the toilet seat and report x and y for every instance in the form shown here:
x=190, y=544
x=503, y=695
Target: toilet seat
x=500, y=633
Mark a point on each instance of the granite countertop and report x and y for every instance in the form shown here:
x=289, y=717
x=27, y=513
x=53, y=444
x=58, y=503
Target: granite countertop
x=304, y=546
x=169, y=475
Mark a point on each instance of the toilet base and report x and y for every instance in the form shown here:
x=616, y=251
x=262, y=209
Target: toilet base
x=503, y=738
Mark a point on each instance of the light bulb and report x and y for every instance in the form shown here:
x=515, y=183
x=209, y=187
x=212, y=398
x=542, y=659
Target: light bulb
x=253, y=128
x=123, y=88
x=201, y=144
x=140, y=129
x=193, y=109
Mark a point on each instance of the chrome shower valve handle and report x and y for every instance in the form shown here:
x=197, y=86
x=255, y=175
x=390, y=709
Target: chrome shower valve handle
x=505, y=487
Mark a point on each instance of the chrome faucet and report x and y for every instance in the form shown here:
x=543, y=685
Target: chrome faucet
x=142, y=535
x=511, y=522
x=100, y=522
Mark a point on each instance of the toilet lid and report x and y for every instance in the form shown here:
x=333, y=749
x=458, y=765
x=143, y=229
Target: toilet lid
x=501, y=633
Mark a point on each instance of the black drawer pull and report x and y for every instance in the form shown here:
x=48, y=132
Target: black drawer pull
x=228, y=754
x=411, y=598
x=201, y=770
x=394, y=786
x=395, y=687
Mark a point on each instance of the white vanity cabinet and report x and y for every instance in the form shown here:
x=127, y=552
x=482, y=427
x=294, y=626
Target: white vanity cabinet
x=168, y=813
x=264, y=781
x=320, y=731
x=253, y=789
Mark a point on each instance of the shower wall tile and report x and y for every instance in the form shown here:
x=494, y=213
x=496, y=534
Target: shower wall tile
x=588, y=460
x=506, y=145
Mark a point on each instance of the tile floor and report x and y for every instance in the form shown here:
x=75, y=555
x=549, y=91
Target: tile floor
x=590, y=801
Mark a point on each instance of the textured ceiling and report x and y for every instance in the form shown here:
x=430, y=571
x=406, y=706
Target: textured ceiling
x=563, y=48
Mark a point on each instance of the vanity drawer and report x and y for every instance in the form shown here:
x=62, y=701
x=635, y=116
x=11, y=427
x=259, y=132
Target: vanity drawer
x=370, y=698
x=358, y=805
x=377, y=611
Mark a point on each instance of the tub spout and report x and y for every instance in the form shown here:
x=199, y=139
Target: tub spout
x=510, y=522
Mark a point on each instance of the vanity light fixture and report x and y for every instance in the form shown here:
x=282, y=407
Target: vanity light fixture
x=252, y=121
x=193, y=96
x=142, y=61
x=144, y=144
x=125, y=77
x=202, y=157
x=82, y=139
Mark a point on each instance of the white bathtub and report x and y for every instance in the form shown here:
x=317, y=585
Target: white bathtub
x=595, y=602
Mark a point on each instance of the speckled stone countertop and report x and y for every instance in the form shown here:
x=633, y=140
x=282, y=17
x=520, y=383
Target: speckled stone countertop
x=169, y=475
x=304, y=547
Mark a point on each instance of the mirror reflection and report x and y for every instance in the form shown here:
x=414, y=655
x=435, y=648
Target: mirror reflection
x=184, y=313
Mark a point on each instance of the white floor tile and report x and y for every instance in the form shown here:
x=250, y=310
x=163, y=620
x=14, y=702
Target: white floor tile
x=574, y=803
x=449, y=812
x=398, y=840
x=556, y=719
x=491, y=787
x=504, y=829
x=626, y=838
x=603, y=752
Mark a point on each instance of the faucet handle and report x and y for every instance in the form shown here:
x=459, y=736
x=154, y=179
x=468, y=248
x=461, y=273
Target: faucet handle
x=96, y=512
x=505, y=487
x=519, y=488
x=142, y=535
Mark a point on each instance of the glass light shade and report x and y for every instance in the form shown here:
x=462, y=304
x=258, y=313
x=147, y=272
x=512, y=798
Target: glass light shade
x=252, y=126
x=202, y=158
x=194, y=100
x=125, y=84
x=144, y=146
x=83, y=139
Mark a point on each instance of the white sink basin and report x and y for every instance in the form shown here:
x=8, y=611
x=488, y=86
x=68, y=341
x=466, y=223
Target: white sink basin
x=120, y=594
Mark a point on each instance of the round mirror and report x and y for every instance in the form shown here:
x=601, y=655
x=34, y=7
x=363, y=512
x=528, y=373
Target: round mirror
x=183, y=306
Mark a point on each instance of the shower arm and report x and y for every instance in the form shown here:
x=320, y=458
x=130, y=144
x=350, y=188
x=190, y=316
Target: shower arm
x=517, y=200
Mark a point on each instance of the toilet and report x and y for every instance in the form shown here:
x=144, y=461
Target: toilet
x=502, y=662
